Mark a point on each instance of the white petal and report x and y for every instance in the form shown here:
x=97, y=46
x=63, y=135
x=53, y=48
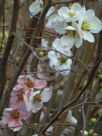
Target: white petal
x=95, y=25
x=37, y=106
x=78, y=41
x=88, y=36
x=46, y=95
x=76, y=6
x=49, y=25
x=67, y=41
x=44, y=43
x=62, y=45
x=50, y=11
x=52, y=19
x=35, y=8
x=90, y=13
x=64, y=69
x=71, y=119
x=52, y=54
x=82, y=15
x=63, y=11
x=69, y=28
x=59, y=28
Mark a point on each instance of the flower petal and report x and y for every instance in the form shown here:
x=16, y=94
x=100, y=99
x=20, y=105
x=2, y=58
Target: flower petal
x=35, y=8
x=88, y=36
x=37, y=106
x=78, y=40
x=95, y=25
x=46, y=95
x=50, y=11
x=39, y=84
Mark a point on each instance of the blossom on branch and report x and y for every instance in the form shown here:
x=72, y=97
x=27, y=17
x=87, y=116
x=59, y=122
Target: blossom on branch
x=35, y=101
x=13, y=118
x=59, y=62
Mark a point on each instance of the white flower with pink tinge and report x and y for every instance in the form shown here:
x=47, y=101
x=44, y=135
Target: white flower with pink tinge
x=36, y=99
x=30, y=82
x=12, y=118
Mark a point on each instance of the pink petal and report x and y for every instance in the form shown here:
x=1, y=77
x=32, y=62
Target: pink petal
x=39, y=84
x=14, y=103
x=16, y=125
x=24, y=113
x=28, y=105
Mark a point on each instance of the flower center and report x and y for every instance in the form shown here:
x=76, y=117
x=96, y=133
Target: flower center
x=20, y=95
x=71, y=14
x=37, y=98
x=29, y=83
x=85, y=26
x=71, y=32
x=62, y=59
x=15, y=114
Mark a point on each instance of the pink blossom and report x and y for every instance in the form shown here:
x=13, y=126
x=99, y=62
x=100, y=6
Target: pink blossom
x=16, y=99
x=30, y=82
x=12, y=118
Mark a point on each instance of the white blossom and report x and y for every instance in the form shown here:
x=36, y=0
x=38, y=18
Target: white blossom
x=71, y=118
x=36, y=7
x=63, y=45
x=44, y=43
x=89, y=24
x=59, y=62
x=35, y=101
x=74, y=35
x=70, y=13
x=57, y=23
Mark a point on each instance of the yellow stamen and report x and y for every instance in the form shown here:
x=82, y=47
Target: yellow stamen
x=62, y=59
x=37, y=98
x=71, y=32
x=29, y=83
x=86, y=26
x=71, y=14
x=15, y=114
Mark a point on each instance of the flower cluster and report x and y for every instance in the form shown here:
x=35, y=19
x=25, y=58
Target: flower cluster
x=27, y=96
x=73, y=24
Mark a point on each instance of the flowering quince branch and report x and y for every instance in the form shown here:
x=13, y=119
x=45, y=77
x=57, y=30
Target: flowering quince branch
x=6, y=96
x=26, y=94
x=97, y=61
x=90, y=77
